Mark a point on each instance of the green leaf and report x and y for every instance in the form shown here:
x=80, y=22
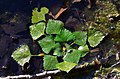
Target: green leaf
x=44, y=10
x=57, y=50
x=54, y=26
x=80, y=38
x=73, y=57
x=37, y=30
x=64, y=36
x=22, y=55
x=47, y=44
x=94, y=37
x=37, y=16
x=65, y=66
x=50, y=62
x=83, y=50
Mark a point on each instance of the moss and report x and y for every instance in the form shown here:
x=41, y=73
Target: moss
x=116, y=33
x=102, y=14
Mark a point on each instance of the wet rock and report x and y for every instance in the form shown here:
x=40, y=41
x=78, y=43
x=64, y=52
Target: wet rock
x=73, y=17
x=6, y=65
x=13, y=33
x=4, y=43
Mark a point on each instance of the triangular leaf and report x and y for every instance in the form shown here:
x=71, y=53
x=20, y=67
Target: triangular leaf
x=50, y=62
x=83, y=50
x=47, y=44
x=80, y=38
x=94, y=37
x=73, y=57
x=64, y=36
x=54, y=26
x=37, y=30
x=22, y=55
x=37, y=16
x=65, y=66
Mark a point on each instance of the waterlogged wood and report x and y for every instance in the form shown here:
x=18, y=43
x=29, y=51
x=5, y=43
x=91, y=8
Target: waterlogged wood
x=68, y=4
x=58, y=14
x=51, y=73
x=39, y=75
x=76, y=1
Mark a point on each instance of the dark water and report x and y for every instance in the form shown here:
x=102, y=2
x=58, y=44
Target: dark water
x=26, y=6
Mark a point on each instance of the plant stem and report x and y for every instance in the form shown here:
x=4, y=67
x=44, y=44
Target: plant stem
x=72, y=43
x=41, y=54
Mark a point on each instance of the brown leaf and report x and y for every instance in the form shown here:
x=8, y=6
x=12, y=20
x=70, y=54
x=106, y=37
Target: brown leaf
x=63, y=9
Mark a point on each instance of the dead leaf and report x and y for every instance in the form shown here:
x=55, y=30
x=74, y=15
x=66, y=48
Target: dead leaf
x=63, y=9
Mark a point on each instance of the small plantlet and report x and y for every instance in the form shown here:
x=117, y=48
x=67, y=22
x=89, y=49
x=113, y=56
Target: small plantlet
x=58, y=42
